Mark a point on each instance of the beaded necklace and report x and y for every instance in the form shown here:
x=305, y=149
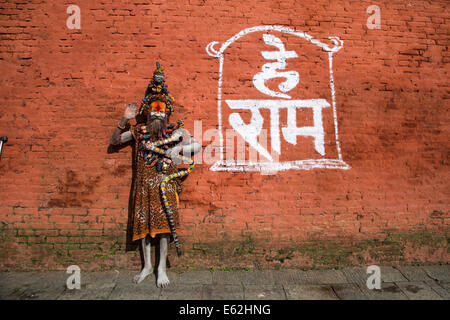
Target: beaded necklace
x=156, y=147
x=145, y=138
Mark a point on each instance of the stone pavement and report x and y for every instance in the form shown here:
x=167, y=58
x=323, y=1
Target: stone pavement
x=398, y=283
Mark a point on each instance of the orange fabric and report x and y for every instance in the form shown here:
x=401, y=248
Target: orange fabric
x=149, y=216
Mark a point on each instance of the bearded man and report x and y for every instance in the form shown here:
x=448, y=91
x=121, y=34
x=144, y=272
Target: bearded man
x=149, y=213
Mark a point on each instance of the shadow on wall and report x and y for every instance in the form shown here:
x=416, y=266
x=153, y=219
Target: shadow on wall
x=130, y=244
x=73, y=191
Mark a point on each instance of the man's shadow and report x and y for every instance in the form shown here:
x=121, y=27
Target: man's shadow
x=130, y=245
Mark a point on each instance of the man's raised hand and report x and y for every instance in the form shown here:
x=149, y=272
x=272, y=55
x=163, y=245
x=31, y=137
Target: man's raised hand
x=130, y=111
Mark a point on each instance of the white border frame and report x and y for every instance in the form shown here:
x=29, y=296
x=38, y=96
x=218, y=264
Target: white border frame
x=223, y=165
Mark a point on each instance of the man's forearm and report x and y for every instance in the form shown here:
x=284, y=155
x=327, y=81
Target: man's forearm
x=115, y=138
x=188, y=143
x=191, y=148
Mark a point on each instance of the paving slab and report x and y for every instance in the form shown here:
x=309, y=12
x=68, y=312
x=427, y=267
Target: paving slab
x=349, y=291
x=355, y=275
x=441, y=273
x=397, y=283
x=388, y=291
x=309, y=292
x=12, y=284
x=227, y=277
x=390, y=274
x=413, y=273
x=264, y=292
x=90, y=292
x=94, y=286
x=285, y=276
x=173, y=276
x=138, y=293
x=439, y=289
x=244, y=277
x=301, y=277
x=445, y=285
x=222, y=292
x=257, y=277
x=99, y=277
x=48, y=286
x=194, y=277
x=182, y=291
x=418, y=290
x=326, y=276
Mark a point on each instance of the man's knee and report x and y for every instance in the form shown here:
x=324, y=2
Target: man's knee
x=147, y=240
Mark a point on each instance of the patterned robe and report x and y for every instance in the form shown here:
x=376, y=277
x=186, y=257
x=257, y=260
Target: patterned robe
x=149, y=216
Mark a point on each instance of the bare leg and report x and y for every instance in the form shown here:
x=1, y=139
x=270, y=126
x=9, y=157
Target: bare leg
x=147, y=263
x=163, y=280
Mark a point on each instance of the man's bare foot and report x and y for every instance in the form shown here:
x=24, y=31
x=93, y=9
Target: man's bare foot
x=141, y=276
x=163, y=280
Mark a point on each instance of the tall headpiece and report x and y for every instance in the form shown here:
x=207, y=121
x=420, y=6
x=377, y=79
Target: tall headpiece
x=159, y=69
x=157, y=91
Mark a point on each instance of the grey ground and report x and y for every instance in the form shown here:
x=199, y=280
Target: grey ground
x=398, y=283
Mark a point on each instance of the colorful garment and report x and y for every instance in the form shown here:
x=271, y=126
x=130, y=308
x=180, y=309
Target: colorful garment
x=149, y=216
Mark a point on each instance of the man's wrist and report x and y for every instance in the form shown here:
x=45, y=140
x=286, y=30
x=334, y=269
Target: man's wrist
x=122, y=123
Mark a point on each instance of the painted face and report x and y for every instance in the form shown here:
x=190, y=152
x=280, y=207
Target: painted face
x=157, y=109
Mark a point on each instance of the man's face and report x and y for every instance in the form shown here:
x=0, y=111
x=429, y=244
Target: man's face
x=156, y=118
x=157, y=110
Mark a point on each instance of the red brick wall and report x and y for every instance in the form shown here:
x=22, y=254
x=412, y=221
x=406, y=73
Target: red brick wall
x=63, y=91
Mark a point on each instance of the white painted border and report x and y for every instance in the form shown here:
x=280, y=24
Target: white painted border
x=222, y=165
x=248, y=166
